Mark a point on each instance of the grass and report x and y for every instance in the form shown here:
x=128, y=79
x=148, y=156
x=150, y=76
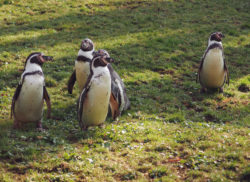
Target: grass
x=171, y=133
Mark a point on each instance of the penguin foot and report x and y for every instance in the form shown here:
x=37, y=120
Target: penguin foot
x=40, y=129
x=203, y=90
x=221, y=90
x=16, y=124
x=39, y=126
x=48, y=116
x=84, y=128
x=101, y=126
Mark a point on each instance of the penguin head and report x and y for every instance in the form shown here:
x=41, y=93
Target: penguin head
x=102, y=52
x=36, y=58
x=216, y=36
x=100, y=60
x=87, y=45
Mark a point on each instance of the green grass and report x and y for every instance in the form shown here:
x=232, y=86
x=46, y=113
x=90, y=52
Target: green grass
x=171, y=133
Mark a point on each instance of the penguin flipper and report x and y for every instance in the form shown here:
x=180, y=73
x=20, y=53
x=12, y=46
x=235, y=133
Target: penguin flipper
x=118, y=89
x=47, y=99
x=80, y=104
x=199, y=70
x=227, y=73
x=71, y=82
x=114, y=106
x=15, y=97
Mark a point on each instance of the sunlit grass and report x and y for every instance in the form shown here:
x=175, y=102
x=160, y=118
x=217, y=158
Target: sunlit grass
x=171, y=133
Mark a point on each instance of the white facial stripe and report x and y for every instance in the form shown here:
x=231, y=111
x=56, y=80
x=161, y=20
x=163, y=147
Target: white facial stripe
x=89, y=40
x=32, y=57
x=104, y=52
x=107, y=54
x=30, y=67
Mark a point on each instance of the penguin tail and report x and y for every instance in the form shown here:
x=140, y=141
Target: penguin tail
x=114, y=106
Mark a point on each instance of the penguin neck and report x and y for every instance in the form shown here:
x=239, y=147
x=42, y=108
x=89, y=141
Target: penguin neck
x=210, y=42
x=32, y=67
x=87, y=54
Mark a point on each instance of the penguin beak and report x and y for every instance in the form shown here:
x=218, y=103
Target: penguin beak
x=47, y=58
x=106, y=60
x=110, y=60
x=220, y=35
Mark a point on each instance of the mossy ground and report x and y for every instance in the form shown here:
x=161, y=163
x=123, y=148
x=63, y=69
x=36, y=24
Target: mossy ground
x=171, y=133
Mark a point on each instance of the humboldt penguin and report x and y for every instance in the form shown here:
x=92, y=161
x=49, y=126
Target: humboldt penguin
x=119, y=101
x=27, y=102
x=82, y=65
x=94, y=98
x=213, y=72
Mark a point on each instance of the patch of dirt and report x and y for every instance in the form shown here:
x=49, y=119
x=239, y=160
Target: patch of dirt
x=139, y=82
x=59, y=29
x=125, y=176
x=210, y=117
x=188, y=105
x=223, y=107
x=197, y=98
x=134, y=5
x=61, y=167
x=19, y=170
x=243, y=88
x=144, y=169
x=198, y=109
x=163, y=71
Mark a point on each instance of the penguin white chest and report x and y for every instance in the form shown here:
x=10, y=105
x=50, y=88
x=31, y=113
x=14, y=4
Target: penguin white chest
x=95, y=106
x=213, y=74
x=29, y=105
x=82, y=73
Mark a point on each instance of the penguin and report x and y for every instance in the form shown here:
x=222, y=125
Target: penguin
x=94, y=98
x=213, y=72
x=27, y=102
x=82, y=65
x=119, y=101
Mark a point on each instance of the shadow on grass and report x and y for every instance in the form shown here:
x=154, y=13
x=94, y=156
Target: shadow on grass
x=146, y=54
x=169, y=92
x=172, y=90
x=106, y=24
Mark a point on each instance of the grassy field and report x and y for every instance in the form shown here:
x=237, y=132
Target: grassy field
x=171, y=133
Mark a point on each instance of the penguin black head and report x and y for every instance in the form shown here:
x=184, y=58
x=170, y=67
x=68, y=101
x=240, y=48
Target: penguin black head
x=103, y=53
x=37, y=58
x=101, y=60
x=87, y=45
x=216, y=36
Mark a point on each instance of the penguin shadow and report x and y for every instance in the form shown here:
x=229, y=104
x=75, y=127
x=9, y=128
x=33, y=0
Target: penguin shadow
x=210, y=92
x=64, y=119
